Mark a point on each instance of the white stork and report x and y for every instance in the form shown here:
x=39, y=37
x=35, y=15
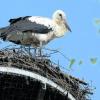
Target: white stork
x=35, y=30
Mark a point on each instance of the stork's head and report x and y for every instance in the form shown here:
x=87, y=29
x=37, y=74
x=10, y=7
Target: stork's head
x=59, y=18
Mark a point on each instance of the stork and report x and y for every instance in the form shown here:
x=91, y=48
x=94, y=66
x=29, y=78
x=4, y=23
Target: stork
x=35, y=31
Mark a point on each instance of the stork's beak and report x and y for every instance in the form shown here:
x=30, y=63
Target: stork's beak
x=67, y=26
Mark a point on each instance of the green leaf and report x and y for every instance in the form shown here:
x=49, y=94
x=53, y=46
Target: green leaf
x=72, y=61
x=80, y=62
x=93, y=60
x=97, y=21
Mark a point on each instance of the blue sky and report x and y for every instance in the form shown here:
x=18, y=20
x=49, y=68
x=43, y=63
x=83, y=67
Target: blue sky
x=81, y=44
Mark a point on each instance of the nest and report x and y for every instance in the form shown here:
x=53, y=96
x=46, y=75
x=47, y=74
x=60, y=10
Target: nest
x=17, y=57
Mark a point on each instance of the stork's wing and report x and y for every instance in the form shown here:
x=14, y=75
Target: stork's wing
x=22, y=24
x=14, y=20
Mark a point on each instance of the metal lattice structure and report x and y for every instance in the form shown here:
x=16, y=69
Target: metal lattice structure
x=27, y=77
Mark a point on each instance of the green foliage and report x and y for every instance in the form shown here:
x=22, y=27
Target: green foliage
x=93, y=60
x=97, y=21
x=80, y=62
x=72, y=61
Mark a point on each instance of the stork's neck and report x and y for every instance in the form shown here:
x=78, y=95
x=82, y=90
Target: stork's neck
x=60, y=28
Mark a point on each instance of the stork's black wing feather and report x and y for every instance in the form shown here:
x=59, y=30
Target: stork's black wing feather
x=22, y=24
x=14, y=20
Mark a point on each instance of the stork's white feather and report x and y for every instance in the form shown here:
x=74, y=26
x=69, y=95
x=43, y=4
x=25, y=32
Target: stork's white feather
x=41, y=20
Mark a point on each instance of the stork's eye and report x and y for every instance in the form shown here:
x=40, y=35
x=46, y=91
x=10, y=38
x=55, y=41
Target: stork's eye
x=60, y=15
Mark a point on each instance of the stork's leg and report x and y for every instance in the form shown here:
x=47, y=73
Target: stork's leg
x=29, y=51
x=40, y=49
x=21, y=49
x=35, y=52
